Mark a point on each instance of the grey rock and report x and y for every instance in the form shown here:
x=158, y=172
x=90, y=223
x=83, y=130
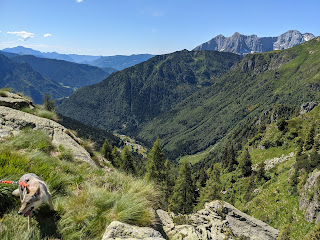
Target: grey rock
x=118, y=230
x=307, y=107
x=12, y=121
x=218, y=220
x=15, y=101
x=309, y=199
x=291, y=39
x=242, y=44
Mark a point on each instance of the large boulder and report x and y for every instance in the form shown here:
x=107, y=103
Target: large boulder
x=13, y=121
x=118, y=230
x=218, y=220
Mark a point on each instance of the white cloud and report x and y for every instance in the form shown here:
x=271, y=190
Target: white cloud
x=25, y=35
x=47, y=35
x=79, y=1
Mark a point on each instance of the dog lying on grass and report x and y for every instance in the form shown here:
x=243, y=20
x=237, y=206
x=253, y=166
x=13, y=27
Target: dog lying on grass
x=32, y=192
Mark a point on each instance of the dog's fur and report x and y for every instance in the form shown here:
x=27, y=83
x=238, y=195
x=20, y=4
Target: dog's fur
x=33, y=194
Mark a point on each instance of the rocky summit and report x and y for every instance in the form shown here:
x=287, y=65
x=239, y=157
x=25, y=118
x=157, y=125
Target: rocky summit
x=243, y=44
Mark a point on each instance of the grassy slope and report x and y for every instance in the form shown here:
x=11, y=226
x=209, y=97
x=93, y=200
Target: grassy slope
x=86, y=199
x=274, y=203
x=259, y=81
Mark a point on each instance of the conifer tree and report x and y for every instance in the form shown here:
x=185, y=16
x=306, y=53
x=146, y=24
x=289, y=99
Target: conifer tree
x=203, y=177
x=308, y=144
x=168, y=182
x=115, y=155
x=245, y=164
x=183, y=193
x=213, y=187
x=48, y=102
x=127, y=160
x=155, y=163
x=231, y=159
x=106, y=151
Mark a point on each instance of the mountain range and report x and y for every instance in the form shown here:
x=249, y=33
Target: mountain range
x=162, y=97
x=35, y=76
x=117, y=62
x=242, y=44
x=135, y=95
x=23, y=78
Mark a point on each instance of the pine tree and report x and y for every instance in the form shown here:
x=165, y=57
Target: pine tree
x=203, y=177
x=231, y=159
x=213, y=187
x=115, y=155
x=261, y=172
x=155, y=163
x=106, y=151
x=48, y=102
x=308, y=144
x=245, y=164
x=168, y=182
x=183, y=193
x=127, y=160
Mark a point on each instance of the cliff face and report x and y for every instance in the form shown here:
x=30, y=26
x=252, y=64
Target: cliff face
x=242, y=44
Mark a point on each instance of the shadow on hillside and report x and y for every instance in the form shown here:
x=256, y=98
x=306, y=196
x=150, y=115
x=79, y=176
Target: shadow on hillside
x=47, y=221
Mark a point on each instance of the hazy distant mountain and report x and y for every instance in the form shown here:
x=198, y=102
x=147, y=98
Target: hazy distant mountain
x=117, y=62
x=53, y=55
x=121, y=61
x=21, y=77
x=73, y=75
x=243, y=44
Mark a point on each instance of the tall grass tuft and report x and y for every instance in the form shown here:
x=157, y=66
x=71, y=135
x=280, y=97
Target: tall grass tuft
x=31, y=139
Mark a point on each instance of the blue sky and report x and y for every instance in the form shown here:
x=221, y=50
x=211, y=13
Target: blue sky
x=111, y=27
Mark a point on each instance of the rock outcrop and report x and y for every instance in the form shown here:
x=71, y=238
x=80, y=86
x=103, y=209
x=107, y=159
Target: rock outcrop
x=218, y=220
x=12, y=121
x=309, y=198
x=242, y=44
x=307, y=107
x=272, y=162
x=11, y=100
x=117, y=231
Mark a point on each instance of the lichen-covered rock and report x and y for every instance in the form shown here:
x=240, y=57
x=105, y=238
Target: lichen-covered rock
x=309, y=198
x=11, y=100
x=118, y=230
x=218, y=220
x=13, y=121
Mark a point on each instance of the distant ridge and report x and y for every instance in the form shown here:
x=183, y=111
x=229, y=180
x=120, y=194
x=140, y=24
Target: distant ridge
x=243, y=44
x=117, y=62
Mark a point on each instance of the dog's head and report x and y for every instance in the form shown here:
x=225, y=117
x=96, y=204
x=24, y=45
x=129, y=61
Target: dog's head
x=31, y=201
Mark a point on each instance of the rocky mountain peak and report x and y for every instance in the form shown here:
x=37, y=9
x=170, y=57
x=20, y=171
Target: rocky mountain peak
x=244, y=44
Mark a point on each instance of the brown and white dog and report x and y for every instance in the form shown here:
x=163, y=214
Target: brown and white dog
x=32, y=192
